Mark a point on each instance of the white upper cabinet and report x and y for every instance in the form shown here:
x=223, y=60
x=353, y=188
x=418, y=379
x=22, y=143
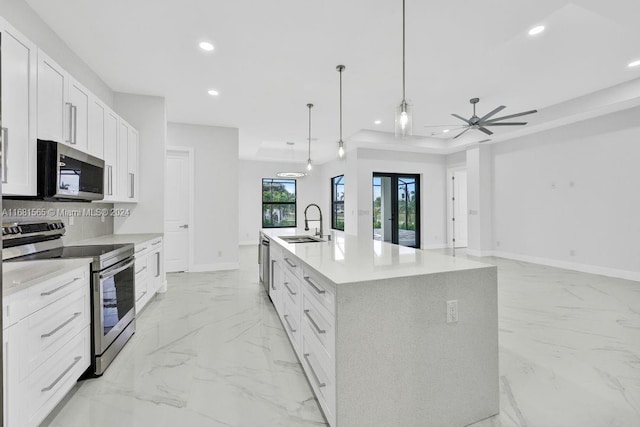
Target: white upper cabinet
x=54, y=112
x=79, y=115
x=97, y=112
x=132, y=165
x=18, y=134
x=124, y=187
x=111, y=163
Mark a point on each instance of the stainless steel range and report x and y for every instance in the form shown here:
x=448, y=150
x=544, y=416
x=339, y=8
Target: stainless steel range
x=112, y=281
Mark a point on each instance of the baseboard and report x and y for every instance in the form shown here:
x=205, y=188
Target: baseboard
x=248, y=243
x=584, y=268
x=436, y=246
x=478, y=253
x=201, y=268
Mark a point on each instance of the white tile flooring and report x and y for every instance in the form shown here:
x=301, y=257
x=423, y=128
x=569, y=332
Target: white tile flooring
x=212, y=352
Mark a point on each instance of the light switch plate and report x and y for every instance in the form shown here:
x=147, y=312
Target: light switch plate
x=452, y=311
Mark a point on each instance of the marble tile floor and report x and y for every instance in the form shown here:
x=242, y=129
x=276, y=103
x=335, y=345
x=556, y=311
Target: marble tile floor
x=212, y=352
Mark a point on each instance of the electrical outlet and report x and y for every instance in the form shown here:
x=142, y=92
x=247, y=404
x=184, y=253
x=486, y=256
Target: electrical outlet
x=71, y=220
x=452, y=311
x=103, y=218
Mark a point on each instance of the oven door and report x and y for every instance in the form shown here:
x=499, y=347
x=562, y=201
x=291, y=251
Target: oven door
x=113, y=302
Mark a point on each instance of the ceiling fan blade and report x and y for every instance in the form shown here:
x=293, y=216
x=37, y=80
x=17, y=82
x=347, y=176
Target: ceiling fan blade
x=454, y=129
x=441, y=126
x=493, y=113
x=506, y=124
x=461, y=118
x=461, y=133
x=511, y=116
x=485, y=130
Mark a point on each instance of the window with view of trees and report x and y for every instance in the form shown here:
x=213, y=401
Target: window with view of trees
x=278, y=203
x=337, y=202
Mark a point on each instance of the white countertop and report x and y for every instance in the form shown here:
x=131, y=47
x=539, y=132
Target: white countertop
x=19, y=275
x=115, y=239
x=349, y=259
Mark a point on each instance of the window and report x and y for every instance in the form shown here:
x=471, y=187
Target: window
x=278, y=203
x=337, y=202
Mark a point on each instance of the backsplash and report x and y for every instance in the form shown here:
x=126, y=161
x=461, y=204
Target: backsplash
x=89, y=219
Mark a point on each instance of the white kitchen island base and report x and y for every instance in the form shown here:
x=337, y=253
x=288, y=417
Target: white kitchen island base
x=370, y=329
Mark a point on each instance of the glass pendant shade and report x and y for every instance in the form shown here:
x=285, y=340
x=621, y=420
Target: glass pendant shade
x=309, y=167
x=404, y=120
x=340, y=149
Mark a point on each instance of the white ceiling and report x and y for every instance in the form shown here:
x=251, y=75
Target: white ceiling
x=273, y=57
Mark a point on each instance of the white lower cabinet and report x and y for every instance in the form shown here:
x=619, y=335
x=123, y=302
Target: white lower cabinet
x=149, y=269
x=46, y=345
x=305, y=303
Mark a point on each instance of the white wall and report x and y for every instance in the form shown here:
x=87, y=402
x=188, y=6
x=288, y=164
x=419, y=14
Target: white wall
x=250, y=174
x=432, y=171
x=148, y=115
x=20, y=15
x=576, y=189
x=216, y=183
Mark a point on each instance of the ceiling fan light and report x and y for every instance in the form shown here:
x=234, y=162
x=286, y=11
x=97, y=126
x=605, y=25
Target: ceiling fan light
x=634, y=64
x=536, y=30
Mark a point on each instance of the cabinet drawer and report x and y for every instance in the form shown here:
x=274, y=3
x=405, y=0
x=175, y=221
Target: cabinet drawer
x=291, y=321
x=56, y=376
x=322, y=290
x=322, y=379
x=49, y=329
x=45, y=293
x=291, y=287
x=317, y=321
x=292, y=264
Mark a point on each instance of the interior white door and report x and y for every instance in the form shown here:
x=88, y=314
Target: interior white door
x=460, y=212
x=177, y=210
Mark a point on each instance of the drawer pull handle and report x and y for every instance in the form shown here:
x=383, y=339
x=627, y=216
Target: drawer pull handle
x=65, y=323
x=65, y=372
x=141, y=270
x=290, y=263
x=141, y=249
x=141, y=296
x=315, y=376
x=313, y=322
x=315, y=287
x=286, y=319
x=286, y=284
x=46, y=294
x=156, y=243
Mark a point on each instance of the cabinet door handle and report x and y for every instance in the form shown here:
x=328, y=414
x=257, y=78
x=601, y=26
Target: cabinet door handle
x=132, y=178
x=315, y=287
x=46, y=294
x=286, y=285
x=110, y=180
x=74, y=115
x=62, y=325
x=141, y=296
x=286, y=319
x=315, y=376
x=70, y=125
x=65, y=372
x=313, y=322
x=157, y=264
x=273, y=284
x=290, y=263
x=4, y=148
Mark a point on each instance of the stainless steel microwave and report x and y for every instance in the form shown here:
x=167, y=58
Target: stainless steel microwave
x=65, y=173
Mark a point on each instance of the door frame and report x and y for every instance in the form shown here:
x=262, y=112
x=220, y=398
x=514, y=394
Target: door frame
x=394, y=204
x=191, y=160
x=449, y=203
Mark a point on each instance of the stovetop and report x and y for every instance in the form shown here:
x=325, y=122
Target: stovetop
x=94, y=251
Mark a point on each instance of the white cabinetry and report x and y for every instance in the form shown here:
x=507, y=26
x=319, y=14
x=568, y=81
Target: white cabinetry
x=54, y=112
x=79, y=99
x=47, y=345
x=149, y=271
x=103, y=143
x=127, y=163
x=18, y=134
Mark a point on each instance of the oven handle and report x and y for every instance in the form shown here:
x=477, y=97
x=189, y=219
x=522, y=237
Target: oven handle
x=113, y=271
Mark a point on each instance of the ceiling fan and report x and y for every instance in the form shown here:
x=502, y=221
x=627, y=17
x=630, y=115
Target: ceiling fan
x=481, y=123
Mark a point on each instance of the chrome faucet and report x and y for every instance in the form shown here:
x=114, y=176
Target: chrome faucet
x=306, y=221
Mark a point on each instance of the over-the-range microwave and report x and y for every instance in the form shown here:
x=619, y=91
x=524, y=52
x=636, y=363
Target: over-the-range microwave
x=65, y=173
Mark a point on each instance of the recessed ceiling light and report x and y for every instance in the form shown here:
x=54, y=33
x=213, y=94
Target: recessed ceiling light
x=377, y=122
x=213, y=92
x=634, y=63
x=206, y=46
x=536, y=30
x=445, y=131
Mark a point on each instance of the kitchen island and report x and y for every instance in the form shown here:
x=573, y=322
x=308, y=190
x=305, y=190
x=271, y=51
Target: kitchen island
x=389, y=335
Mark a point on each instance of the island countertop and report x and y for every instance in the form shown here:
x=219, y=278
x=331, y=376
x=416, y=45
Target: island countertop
x=351, y=259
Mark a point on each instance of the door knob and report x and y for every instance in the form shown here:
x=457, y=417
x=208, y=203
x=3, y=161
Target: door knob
x=184, y=226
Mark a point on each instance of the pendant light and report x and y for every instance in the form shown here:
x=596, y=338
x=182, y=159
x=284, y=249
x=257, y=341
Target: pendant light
x=291, y=174
x=404, y=123
x=340, y=69
x=309, y=167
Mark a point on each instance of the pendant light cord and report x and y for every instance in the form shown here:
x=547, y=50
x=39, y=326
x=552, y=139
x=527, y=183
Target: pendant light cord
x=310, y=106
x=340, y=69
x=404, y=100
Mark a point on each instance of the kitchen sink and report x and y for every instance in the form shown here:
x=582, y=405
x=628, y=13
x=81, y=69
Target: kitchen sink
x=300, y=239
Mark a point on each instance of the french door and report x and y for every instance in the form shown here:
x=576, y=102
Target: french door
x=396, y=208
